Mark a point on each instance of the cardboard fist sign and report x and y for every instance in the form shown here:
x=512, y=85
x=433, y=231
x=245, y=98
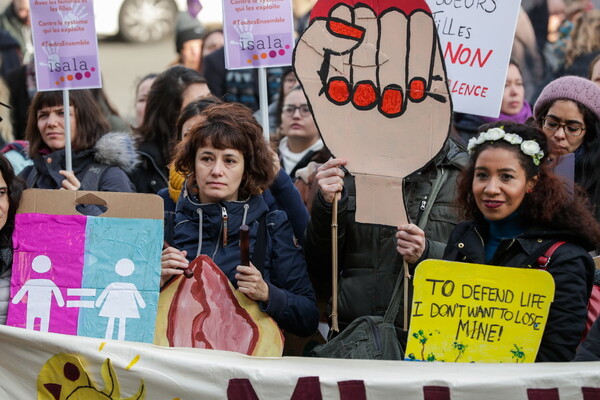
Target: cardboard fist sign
x=374, y=76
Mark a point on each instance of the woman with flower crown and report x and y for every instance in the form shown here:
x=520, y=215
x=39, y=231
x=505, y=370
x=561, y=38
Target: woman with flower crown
x=515, y=210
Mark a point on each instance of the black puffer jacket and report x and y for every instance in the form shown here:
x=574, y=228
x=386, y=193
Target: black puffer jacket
x=151, y=174
x=368, y=260
x=571, y=266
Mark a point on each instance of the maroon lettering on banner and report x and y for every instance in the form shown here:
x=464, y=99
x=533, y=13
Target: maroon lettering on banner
x=307, y=388
x=436, y=393
x=590, y=393
x=240, y=389
x=352, y=390
x=543, y=394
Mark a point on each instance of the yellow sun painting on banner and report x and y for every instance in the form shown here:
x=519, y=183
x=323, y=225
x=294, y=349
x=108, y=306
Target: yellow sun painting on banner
x=478, y=313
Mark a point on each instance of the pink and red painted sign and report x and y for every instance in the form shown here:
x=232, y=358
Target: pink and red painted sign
x=258, y=33
x=65, y=44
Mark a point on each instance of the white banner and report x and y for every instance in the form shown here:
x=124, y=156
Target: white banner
x=53, y=366
x=476, y=38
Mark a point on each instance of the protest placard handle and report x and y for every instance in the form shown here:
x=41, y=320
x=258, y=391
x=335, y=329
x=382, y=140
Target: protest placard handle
x=334, y=262
x=263, y=96
x=67, y=114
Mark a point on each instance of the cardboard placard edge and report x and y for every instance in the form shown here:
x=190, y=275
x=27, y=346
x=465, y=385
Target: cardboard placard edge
x=119, y=205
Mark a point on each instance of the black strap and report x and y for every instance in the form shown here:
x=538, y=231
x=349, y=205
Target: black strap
x=260, y=248
x=32, y=177
x=394, y=305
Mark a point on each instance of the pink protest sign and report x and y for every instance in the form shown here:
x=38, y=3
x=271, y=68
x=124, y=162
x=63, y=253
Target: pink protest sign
x=65, y=44
x=258, y=33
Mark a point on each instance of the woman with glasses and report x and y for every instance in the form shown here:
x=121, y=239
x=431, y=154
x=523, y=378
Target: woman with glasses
x=568, y=111
x=300, y=139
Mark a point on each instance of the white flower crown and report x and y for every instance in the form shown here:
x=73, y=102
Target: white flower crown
x=529, y=147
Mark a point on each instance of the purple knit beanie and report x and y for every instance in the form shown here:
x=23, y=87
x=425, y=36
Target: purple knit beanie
x=573, y=88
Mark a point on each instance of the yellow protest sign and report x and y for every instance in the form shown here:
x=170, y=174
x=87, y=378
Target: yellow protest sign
x=478, y=313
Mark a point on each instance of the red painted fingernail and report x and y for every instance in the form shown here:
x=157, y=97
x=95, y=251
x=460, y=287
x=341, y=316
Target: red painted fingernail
x=343, y=29
x=417, y=89
x=364, y=95
x=338, y=90
x=391, y=101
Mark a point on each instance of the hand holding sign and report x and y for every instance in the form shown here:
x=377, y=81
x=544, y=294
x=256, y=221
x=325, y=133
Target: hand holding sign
x=379, y=71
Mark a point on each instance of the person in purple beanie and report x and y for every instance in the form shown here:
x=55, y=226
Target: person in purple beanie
x=568, y=111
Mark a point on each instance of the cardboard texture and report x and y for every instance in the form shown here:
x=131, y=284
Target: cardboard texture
x=64, y=202
x=377, y=69
x=94, y=276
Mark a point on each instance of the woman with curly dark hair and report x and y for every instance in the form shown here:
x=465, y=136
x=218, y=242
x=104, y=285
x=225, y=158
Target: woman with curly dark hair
x=516, y=209
x=11, y=188
x=228, y=165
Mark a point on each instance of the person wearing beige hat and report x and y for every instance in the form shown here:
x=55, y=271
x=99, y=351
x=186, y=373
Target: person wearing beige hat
x=568, y=111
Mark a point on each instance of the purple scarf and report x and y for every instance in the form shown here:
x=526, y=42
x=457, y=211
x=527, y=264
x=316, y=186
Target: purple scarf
x=520, y=117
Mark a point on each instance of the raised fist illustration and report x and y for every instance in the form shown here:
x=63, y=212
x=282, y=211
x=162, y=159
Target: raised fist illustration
x=374, y=76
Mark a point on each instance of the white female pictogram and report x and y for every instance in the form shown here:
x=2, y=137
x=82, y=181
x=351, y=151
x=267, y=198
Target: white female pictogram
x=121, y=300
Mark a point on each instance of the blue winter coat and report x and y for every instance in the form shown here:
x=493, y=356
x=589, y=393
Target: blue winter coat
x=292, y=301
x=281, y=195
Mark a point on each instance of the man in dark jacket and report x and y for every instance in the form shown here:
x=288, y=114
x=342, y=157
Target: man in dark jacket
x=368, y=260
x=10, y=53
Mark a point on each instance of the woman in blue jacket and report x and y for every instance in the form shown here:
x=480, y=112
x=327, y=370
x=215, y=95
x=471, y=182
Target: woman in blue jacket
x=281, y=194
x=228, y=165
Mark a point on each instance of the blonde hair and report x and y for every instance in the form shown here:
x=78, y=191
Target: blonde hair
x=585, y=36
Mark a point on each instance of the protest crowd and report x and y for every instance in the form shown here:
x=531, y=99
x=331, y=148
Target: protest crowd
x=493, y=195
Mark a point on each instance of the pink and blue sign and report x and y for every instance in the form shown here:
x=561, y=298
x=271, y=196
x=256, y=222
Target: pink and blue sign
x=86, y=276
x=258, y=33
x=65, y=44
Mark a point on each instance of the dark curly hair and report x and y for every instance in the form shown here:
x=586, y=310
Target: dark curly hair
x=15, y=186
x=550, y=203
x=229, y=126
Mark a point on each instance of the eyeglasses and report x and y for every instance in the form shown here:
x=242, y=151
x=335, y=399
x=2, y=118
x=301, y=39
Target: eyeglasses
x=570, y=129
x=290, y=110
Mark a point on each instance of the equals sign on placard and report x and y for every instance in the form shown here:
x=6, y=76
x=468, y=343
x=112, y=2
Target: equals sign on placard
x=81, y=292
